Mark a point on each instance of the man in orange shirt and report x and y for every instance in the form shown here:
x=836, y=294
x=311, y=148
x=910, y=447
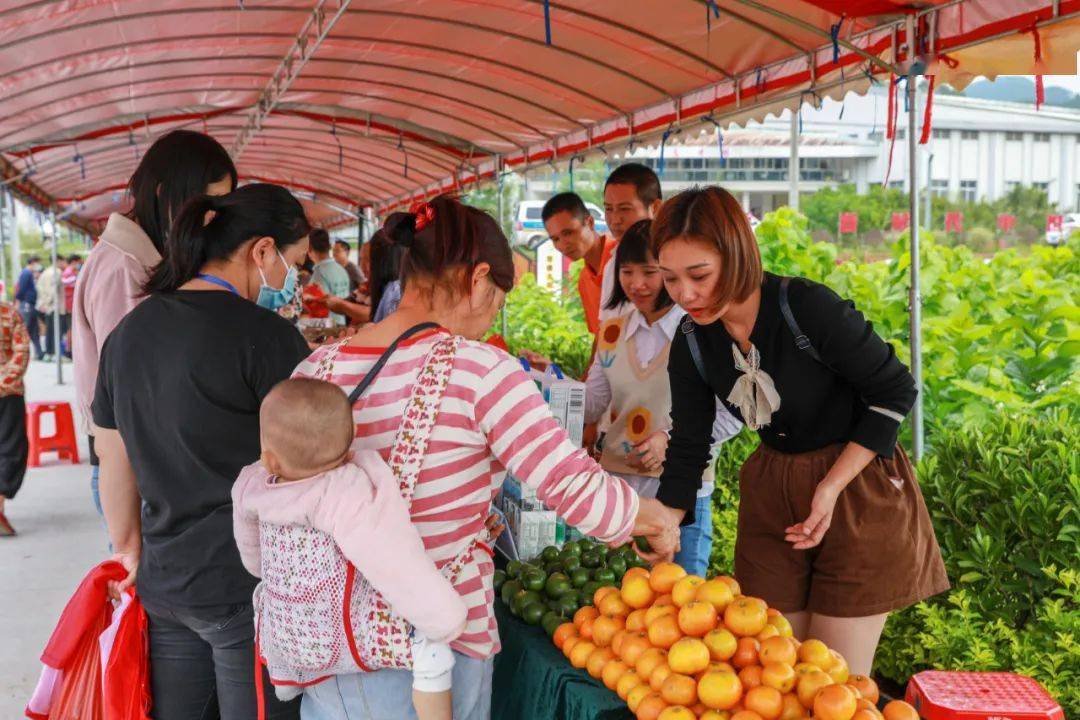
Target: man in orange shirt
x=573, y=232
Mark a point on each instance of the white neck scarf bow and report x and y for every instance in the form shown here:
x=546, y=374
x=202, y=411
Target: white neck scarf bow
x=754, y=392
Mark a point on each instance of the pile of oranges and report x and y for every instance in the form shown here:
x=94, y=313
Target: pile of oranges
x=678, y=647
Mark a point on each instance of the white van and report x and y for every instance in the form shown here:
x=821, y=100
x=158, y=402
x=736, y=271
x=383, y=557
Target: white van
x=529, y=226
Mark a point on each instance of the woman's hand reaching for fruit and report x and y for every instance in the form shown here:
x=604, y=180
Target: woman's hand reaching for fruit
x=659, y=525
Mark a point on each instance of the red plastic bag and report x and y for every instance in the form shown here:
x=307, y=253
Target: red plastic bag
x=125, y=659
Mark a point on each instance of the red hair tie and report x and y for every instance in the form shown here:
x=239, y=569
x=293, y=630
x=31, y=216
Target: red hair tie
x=425, y=214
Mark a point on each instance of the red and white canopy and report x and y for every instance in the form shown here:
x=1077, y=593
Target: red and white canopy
x=381, y=102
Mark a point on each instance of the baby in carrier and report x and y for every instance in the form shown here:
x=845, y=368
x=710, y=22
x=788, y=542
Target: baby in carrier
x=315, y=521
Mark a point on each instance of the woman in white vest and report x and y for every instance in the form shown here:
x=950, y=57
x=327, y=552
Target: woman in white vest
x=629, y=377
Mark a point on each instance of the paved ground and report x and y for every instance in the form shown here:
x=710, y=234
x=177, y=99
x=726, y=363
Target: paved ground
x=60, y=538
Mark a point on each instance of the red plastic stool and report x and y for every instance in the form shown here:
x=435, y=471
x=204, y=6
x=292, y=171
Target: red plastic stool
x=941, y=695
x=62, y=441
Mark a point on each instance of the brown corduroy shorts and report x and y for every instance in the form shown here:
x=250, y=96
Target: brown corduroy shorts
x=879, y=554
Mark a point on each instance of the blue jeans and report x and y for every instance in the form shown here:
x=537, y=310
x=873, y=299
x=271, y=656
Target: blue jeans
x=387, y=694
x=696, y=540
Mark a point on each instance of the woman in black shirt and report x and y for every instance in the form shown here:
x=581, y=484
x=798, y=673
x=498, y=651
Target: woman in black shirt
x=176, y=412
x=832, y=528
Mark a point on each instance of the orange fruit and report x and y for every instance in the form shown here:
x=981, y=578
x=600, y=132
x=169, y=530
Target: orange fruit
x=715, y=715
x=677, y=712
x=586, y=627
x=714, y=666
x=746, y=715
x=635, y=621
x=659, y=674
x=637, y=694
x=864, y=714
x=664, y=599
x=803, y=668
x=597, y=660
x=632, y=647
x=688, y=656
x=685, y=589
x=604, y=629
x=782, y=625
x=664, y=575
x=568, y=645
x=839, y=672
x=636, y=592
x=736, y=590
x=651, y=707
x=601, y=593
x=612, y=604
x=792, y=709
x=765, y=701
x=697, y=709
x=899, y=710
x=715, y=592
x=612, y=671
x=616, y=641
x=867, y=688
x=649, y=660
x=779, y=676
x=586, y=613
x=562, y=632
x=697, y=618
x=679, y=689
x=721, y=643
x=720, y=690
x=775, y=650
x=817, y=653
x=635, y=572
x=659, y=611
x=746, y=652
x=627, y=682
x=579, y=656
x=834, y=702
x=809, y=684
x=750, y=676
x=870, y=707
x=745, y=616
x=767, y=632
x=664, y=631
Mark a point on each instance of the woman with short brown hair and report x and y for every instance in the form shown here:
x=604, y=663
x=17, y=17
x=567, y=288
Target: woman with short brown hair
x=833, y=531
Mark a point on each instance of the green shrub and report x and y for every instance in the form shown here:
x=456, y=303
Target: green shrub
x=548, y=323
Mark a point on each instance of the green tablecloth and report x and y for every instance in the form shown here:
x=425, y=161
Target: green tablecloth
x=533, y=681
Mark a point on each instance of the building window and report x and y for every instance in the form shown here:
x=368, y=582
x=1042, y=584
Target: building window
x=1011, y=185
x=969, y=135
x=939, y=188
x=940, y=134
x=1017, y=136
x=1042, y=137
x=968, y=190
x=1044, y=186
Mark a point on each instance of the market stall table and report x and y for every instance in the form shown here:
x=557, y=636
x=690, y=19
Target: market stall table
x=532, y=679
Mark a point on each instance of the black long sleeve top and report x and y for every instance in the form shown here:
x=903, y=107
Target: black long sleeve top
x=860, y=392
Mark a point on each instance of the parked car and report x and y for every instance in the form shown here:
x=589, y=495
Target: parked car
x=1070, y=223
x=529, y=227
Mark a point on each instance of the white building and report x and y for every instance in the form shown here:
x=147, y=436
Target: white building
x=980, y=149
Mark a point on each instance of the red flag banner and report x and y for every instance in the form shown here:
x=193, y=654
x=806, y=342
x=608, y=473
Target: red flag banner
x=1006, y=222
x=900, y=221
x=1054, y=223
x=954, y=222
x=849, y=222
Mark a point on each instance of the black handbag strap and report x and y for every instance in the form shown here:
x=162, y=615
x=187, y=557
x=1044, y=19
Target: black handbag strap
x=695, y=349
x=378, y=366
x=801, y=341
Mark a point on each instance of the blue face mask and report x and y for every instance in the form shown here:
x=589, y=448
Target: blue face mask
x=274, y=298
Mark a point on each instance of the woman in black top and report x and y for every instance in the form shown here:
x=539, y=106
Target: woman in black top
x=832, y=529
x=176, y=412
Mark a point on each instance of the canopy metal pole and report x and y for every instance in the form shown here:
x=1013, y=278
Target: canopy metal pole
x=915, y=299
x=794, y=171
x=499, y=210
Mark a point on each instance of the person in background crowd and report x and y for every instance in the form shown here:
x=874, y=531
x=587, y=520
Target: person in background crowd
x=49, y=290
x=573, y=233
x=631, y=193
x=177, y=167
x=14, y=359
x=342, y=249
x=67, y=280
x=326, y=273
x=26, y=295
x=629, y=375
x=386, y=257
x=833, y=531
x=492, y=419
x=176, y=415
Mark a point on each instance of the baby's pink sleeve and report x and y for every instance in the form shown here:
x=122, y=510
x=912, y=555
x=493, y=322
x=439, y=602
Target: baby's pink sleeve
x=365, y=514
x=245, y=524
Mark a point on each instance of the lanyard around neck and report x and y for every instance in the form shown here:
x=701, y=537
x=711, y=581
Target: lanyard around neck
x=215, y=280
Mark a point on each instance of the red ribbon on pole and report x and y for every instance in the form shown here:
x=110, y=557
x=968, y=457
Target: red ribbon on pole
x=1040, y=89
x=928, y=112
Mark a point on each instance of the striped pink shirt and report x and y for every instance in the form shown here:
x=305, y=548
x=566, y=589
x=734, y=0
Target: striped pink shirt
x=492, y=418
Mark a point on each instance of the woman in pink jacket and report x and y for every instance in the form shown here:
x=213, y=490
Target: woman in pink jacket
x=492, y=419
x=177, y=167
